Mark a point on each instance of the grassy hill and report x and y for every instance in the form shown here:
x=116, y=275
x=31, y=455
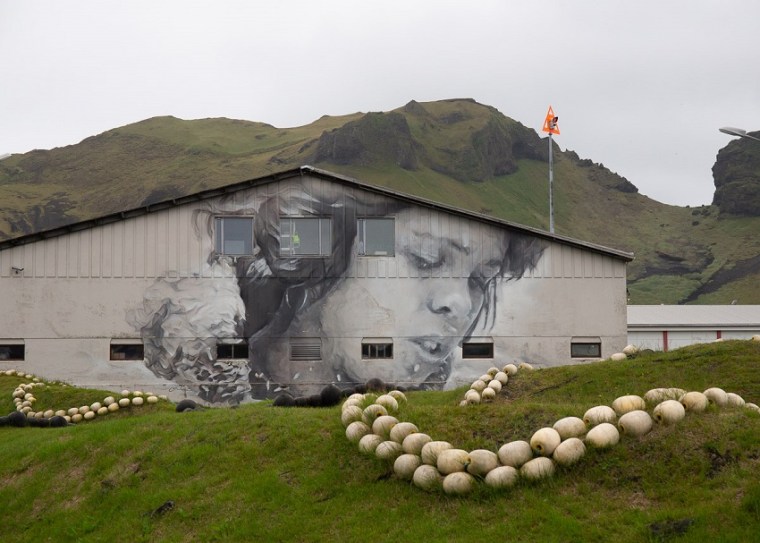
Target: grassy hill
x=455, y=151
x=261, y=473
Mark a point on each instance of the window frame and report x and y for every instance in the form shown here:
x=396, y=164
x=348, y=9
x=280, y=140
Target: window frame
x=12, y=346
x=239, y=347
x=219, y=241
x=478, y=342
x=124, y=347
x=325, y=245
x=361, y=236
x=586, y=342
x=377, y=349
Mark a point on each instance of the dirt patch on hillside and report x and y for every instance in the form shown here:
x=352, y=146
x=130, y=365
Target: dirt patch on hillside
x=725, y=275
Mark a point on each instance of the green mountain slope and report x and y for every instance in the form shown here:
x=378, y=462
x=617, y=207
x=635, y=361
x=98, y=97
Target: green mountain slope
x=458, y=152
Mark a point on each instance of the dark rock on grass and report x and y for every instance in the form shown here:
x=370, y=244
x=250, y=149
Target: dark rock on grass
x=330, y=395
x=186, y=405
x=164, y=508
x=57, y=422
x=17, y=419
x=38, y=423
x=301, y=401
x=315, y=400
x=284, y=400
x=376, y=385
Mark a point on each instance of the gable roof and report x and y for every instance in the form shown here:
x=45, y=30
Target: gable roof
x=316, y=172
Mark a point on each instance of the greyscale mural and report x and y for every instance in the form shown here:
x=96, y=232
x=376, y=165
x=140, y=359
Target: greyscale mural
x=281, y=296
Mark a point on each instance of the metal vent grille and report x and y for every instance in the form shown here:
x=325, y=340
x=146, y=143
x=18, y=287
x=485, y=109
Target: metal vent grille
x=306, y=349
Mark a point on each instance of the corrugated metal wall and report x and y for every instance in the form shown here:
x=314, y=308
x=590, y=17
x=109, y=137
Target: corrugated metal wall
x=167, y=243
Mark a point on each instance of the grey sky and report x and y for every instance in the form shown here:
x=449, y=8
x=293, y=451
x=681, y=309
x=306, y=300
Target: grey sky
x=640, y=86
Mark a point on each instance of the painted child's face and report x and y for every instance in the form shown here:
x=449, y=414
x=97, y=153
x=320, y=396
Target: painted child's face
x=435, y=295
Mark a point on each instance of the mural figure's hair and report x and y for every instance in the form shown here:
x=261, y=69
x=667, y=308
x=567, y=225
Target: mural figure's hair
x=521, y=255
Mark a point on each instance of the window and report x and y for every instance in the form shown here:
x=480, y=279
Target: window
x=377, y=237
x=308, y=348
x=477, y=348
x=586, y=350
x=127, y=351
x=12, y=351
x=234, y=235
x=229, y=351
x=305, y=236
x=377, y=348
x=586, y=347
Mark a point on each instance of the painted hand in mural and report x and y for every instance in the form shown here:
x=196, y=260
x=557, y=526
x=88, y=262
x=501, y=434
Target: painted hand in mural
x=182, y=320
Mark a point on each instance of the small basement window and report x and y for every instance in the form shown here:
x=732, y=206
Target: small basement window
x=231, y=351
x=233, y=235
x=377, y=348
x=309, y=348
x=377, y=237
x=127, y=351
x=586, y=347
x=12, y=351
x=478, y=348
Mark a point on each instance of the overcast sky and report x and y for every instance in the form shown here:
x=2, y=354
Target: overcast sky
x=641, y=86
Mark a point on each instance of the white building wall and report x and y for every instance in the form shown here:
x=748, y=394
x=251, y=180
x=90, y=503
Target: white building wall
x=646, y=339
x=76, y=291
x=739, y=334
x=677, y=339
x=671, y=337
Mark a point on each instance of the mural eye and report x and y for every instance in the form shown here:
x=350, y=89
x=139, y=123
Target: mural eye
x=425, y=262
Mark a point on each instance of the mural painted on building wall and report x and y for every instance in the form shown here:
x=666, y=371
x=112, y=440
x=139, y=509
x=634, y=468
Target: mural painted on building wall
x=283, y=312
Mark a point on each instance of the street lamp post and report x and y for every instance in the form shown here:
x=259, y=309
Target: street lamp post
x=737, y=132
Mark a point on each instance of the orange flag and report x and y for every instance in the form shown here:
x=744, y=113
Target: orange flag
x=550, y=124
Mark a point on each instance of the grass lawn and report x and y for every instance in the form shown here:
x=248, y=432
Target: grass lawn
x=263, y=473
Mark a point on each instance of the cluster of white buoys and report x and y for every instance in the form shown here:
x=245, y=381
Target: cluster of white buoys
x=371, y=422
x=24, y=399
x=627, y=352
x=486, y=387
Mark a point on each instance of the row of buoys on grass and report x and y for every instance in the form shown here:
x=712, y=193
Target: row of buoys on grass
x=371, y=422
x=26, y=415
x=486, y=387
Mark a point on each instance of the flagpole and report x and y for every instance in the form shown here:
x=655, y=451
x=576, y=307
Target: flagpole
x=551, y=181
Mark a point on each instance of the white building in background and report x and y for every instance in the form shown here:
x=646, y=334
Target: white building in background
x=667, y=327
x=296, y=280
